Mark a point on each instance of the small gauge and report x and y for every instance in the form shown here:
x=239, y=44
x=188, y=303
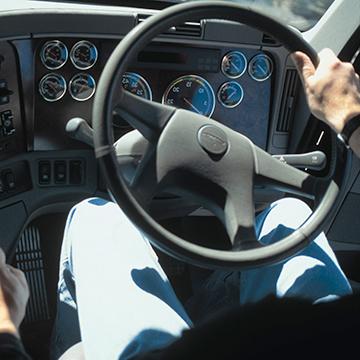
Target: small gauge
x=260, y=67
x=191, y=92
x=137, y=85
x=234, y=64
x=54, y=54
x=230, y=94
x=82, y=87
x=52, y=87
x=84, y=55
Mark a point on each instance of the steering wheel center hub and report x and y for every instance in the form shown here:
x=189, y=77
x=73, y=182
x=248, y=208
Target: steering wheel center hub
x=213, y=140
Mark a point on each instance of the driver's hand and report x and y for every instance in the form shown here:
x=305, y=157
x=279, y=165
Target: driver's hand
x=332, y=90
x=14, y=294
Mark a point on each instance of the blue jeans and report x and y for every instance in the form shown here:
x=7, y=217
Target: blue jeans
x=114, y=296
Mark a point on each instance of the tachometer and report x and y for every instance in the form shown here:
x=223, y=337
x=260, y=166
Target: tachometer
x=260, y=67
x=52, y=87
x=54, y=54
x=191, y=92
x=137, y=85
x=82, y=87
x=84, y=55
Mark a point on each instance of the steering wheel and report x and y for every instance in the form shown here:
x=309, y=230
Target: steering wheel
x=196, y=156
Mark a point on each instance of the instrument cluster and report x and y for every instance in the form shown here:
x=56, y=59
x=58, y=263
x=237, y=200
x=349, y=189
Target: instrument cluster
x=54, y=54
x=191, y=91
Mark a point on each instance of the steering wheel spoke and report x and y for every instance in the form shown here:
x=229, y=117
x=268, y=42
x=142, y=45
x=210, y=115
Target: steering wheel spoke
x=144, y=184
x=149, y=118
x=239, y=214
x=275, y=174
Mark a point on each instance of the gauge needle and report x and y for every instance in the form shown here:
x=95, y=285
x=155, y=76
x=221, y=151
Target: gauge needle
x=53, y=86
x=82, y=87
x=262, y=69
x=192, y=106
x=232, y=94
x=235, y=66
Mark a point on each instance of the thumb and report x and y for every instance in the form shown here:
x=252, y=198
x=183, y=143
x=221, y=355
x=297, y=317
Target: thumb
x=2, y=258
x=304, y=65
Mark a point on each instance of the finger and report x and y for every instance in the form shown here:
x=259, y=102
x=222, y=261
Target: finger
x=304, y=65
x=327, y=58
x=2, y=258
x=18, y=273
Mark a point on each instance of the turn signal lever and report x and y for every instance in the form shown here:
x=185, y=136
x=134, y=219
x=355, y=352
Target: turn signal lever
x=78, y=129
x=315, y=160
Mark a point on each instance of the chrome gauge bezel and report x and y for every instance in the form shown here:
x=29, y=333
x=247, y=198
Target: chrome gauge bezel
x=143, y=82
x=44, y=79
x=196, y=78
x=72, y=54
x=253, y=60
x=227, y=84
x=226, y=56
x=71, y=84
x=54, y=43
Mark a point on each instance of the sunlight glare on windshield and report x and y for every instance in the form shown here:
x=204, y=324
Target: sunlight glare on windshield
x=303, y=14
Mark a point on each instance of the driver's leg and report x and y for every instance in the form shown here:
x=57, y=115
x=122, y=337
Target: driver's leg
x=313, y=274
x=124, y=300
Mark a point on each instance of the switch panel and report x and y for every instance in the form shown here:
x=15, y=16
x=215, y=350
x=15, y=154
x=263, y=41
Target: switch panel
x=61, y=172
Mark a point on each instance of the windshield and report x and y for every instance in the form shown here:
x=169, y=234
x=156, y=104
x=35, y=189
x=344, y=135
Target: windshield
x=302, y=14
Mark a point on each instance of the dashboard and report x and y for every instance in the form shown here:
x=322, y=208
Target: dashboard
x=51, y=63
x=230, y=84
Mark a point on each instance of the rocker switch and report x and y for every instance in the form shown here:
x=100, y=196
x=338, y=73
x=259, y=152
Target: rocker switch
x=44, y=172
x=60, y=172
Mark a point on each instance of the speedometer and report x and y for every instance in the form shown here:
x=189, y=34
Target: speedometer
x=191, y=92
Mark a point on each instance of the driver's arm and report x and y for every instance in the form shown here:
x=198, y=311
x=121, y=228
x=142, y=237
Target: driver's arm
x=14, y=294
x=332, y=90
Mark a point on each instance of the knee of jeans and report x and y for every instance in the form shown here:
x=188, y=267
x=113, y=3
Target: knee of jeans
x=84, y=207
x=290, y=212
x=283, y=216
x=93, y=214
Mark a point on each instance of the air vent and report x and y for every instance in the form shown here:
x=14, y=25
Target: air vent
x=288, y=98
x=269, y=40
x=192, y=29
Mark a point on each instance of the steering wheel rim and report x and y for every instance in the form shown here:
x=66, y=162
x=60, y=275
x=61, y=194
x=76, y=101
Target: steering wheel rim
x=104, y=102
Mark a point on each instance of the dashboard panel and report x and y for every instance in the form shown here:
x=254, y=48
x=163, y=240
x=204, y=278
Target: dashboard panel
x=208, y=80
x=240, y=75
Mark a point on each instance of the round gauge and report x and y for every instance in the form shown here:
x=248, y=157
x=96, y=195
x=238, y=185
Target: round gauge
x=234, y=64
x=137, y=85
x=52, y=87
x=84, y=55
x=191, y=92
x=260, y=67
x=82, y=87
x=230, y=94
x=54, y=54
